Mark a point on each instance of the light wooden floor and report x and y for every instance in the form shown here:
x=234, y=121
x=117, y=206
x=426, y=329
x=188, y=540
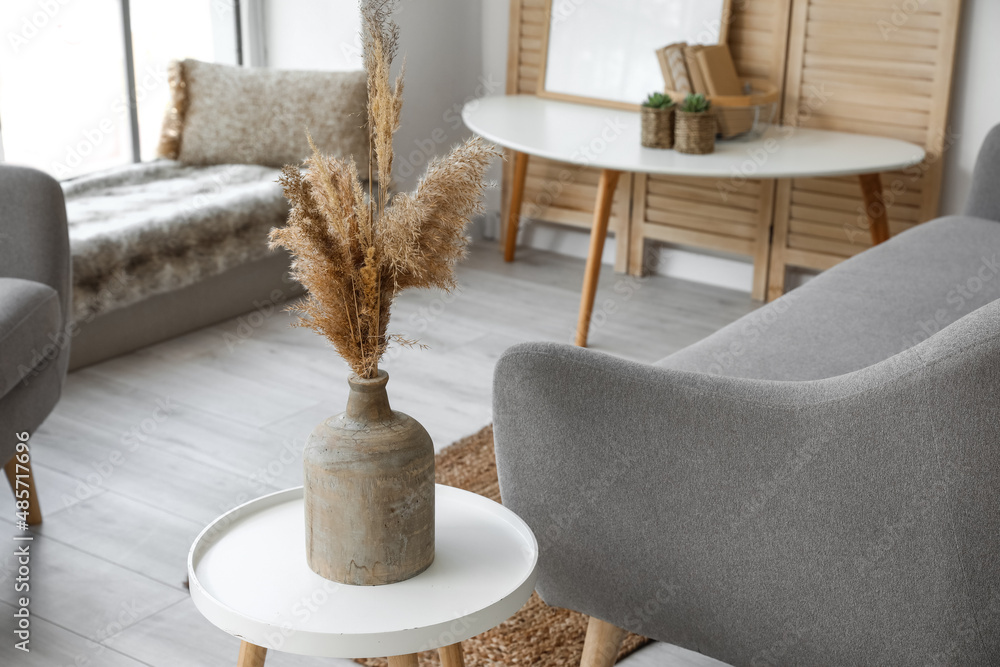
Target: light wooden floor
x=145, y=449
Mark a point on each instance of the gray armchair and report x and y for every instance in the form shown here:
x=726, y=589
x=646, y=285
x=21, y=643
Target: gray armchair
x=35, y=287
x=816, y=484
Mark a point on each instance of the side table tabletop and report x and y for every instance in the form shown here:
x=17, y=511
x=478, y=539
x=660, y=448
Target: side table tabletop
x=249, y=577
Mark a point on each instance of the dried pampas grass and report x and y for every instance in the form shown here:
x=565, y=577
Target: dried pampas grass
x=353, y=249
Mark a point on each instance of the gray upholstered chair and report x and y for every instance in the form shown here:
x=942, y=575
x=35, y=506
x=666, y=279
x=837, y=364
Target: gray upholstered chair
x=815, y=484
x=35, y=288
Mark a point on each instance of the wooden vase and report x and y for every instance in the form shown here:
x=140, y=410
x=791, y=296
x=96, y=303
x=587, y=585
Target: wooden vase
x=369, y=491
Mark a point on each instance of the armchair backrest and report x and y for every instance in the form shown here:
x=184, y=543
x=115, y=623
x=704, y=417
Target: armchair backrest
x=984, y=198
x=34, y=237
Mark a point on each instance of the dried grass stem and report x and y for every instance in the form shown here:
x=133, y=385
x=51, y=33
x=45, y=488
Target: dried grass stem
x=355, y=250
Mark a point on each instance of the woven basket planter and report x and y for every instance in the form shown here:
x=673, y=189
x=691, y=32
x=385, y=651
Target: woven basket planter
x=657, y=127
x=694, y=132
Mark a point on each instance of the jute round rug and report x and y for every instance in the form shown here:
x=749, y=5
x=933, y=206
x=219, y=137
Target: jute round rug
x=537, y=635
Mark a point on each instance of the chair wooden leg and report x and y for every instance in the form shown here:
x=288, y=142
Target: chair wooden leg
x=251, y=655
x=878, y=218
x=451, y=656
x=21, y=477
x=514, y=209
x=409, y=660
x=603, y=642
x=598, y=233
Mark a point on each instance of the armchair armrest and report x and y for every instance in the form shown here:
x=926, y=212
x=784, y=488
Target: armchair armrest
x=852, y=520
x=34, y=239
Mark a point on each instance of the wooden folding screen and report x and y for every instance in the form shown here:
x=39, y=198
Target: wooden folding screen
x=879, y=67
x=555, y=191
x=733, y=214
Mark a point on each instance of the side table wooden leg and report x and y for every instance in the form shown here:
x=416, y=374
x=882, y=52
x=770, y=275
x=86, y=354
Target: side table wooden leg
x=779, y=239
x=598, y=233
x=409, y=660
x=600, y=648
x=514, y=211
x=451, y=656
x=251, y=655
x=762, y=252
x=871, y=190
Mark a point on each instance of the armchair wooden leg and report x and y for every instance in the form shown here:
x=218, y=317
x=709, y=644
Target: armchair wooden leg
x=603, y=642
x=20, y=472
x=251, y=655
x=451, y=656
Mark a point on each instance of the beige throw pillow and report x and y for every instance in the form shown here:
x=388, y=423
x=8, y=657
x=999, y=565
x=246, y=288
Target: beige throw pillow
x=223, y=114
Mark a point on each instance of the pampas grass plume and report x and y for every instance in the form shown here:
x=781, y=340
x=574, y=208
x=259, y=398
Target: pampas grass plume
x=354, y=249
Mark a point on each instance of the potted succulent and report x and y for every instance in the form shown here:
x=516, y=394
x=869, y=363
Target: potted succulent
x=695, y=126
x=658, y=121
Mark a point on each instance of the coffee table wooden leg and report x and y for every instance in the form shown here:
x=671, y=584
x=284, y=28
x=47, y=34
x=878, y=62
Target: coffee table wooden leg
x=251, y=655
x=403, y=660
x=514, y=212
x=598, y=233
x=600, y=648
x=871, y=190
x=451, y=656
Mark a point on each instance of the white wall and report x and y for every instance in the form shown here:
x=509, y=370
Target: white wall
x=440, y=40
x=311, y=34
x=493, y=33
x=457, y=50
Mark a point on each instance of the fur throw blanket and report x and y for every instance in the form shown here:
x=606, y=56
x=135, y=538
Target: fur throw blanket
x=154, y=227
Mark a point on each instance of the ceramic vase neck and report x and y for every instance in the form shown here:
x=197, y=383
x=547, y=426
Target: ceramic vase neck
x=368, y=399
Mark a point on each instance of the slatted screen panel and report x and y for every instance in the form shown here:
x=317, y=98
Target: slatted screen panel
x=556, y=191
x=733, y=215
x=878, y=67
x=868, y=66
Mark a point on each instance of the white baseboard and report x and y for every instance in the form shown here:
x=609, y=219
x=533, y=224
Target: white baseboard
x=702, y=266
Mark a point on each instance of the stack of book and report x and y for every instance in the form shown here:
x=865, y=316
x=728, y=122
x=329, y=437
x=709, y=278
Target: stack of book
x=710, y=70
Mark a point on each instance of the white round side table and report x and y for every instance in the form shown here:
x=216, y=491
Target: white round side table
x=249, y=576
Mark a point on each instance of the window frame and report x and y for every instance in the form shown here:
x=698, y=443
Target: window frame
x=130, y=86
x=253, y=6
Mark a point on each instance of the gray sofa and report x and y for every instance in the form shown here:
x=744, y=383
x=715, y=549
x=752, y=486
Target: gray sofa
x=162, y=248
x=165, y=247
x=816, y=484
x=35, y=287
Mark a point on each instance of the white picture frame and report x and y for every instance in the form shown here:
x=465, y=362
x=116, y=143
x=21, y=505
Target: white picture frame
x=604, y=51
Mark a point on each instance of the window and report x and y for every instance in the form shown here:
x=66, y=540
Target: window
x=165, y=31
x=65, y=75
x=63, y=98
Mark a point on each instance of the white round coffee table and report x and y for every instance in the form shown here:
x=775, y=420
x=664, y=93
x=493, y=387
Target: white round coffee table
x=249, y=576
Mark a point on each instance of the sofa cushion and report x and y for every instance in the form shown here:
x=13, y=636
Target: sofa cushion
x=30, y=318
x=154, y=227
x=862, y=311
x=226, y=114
